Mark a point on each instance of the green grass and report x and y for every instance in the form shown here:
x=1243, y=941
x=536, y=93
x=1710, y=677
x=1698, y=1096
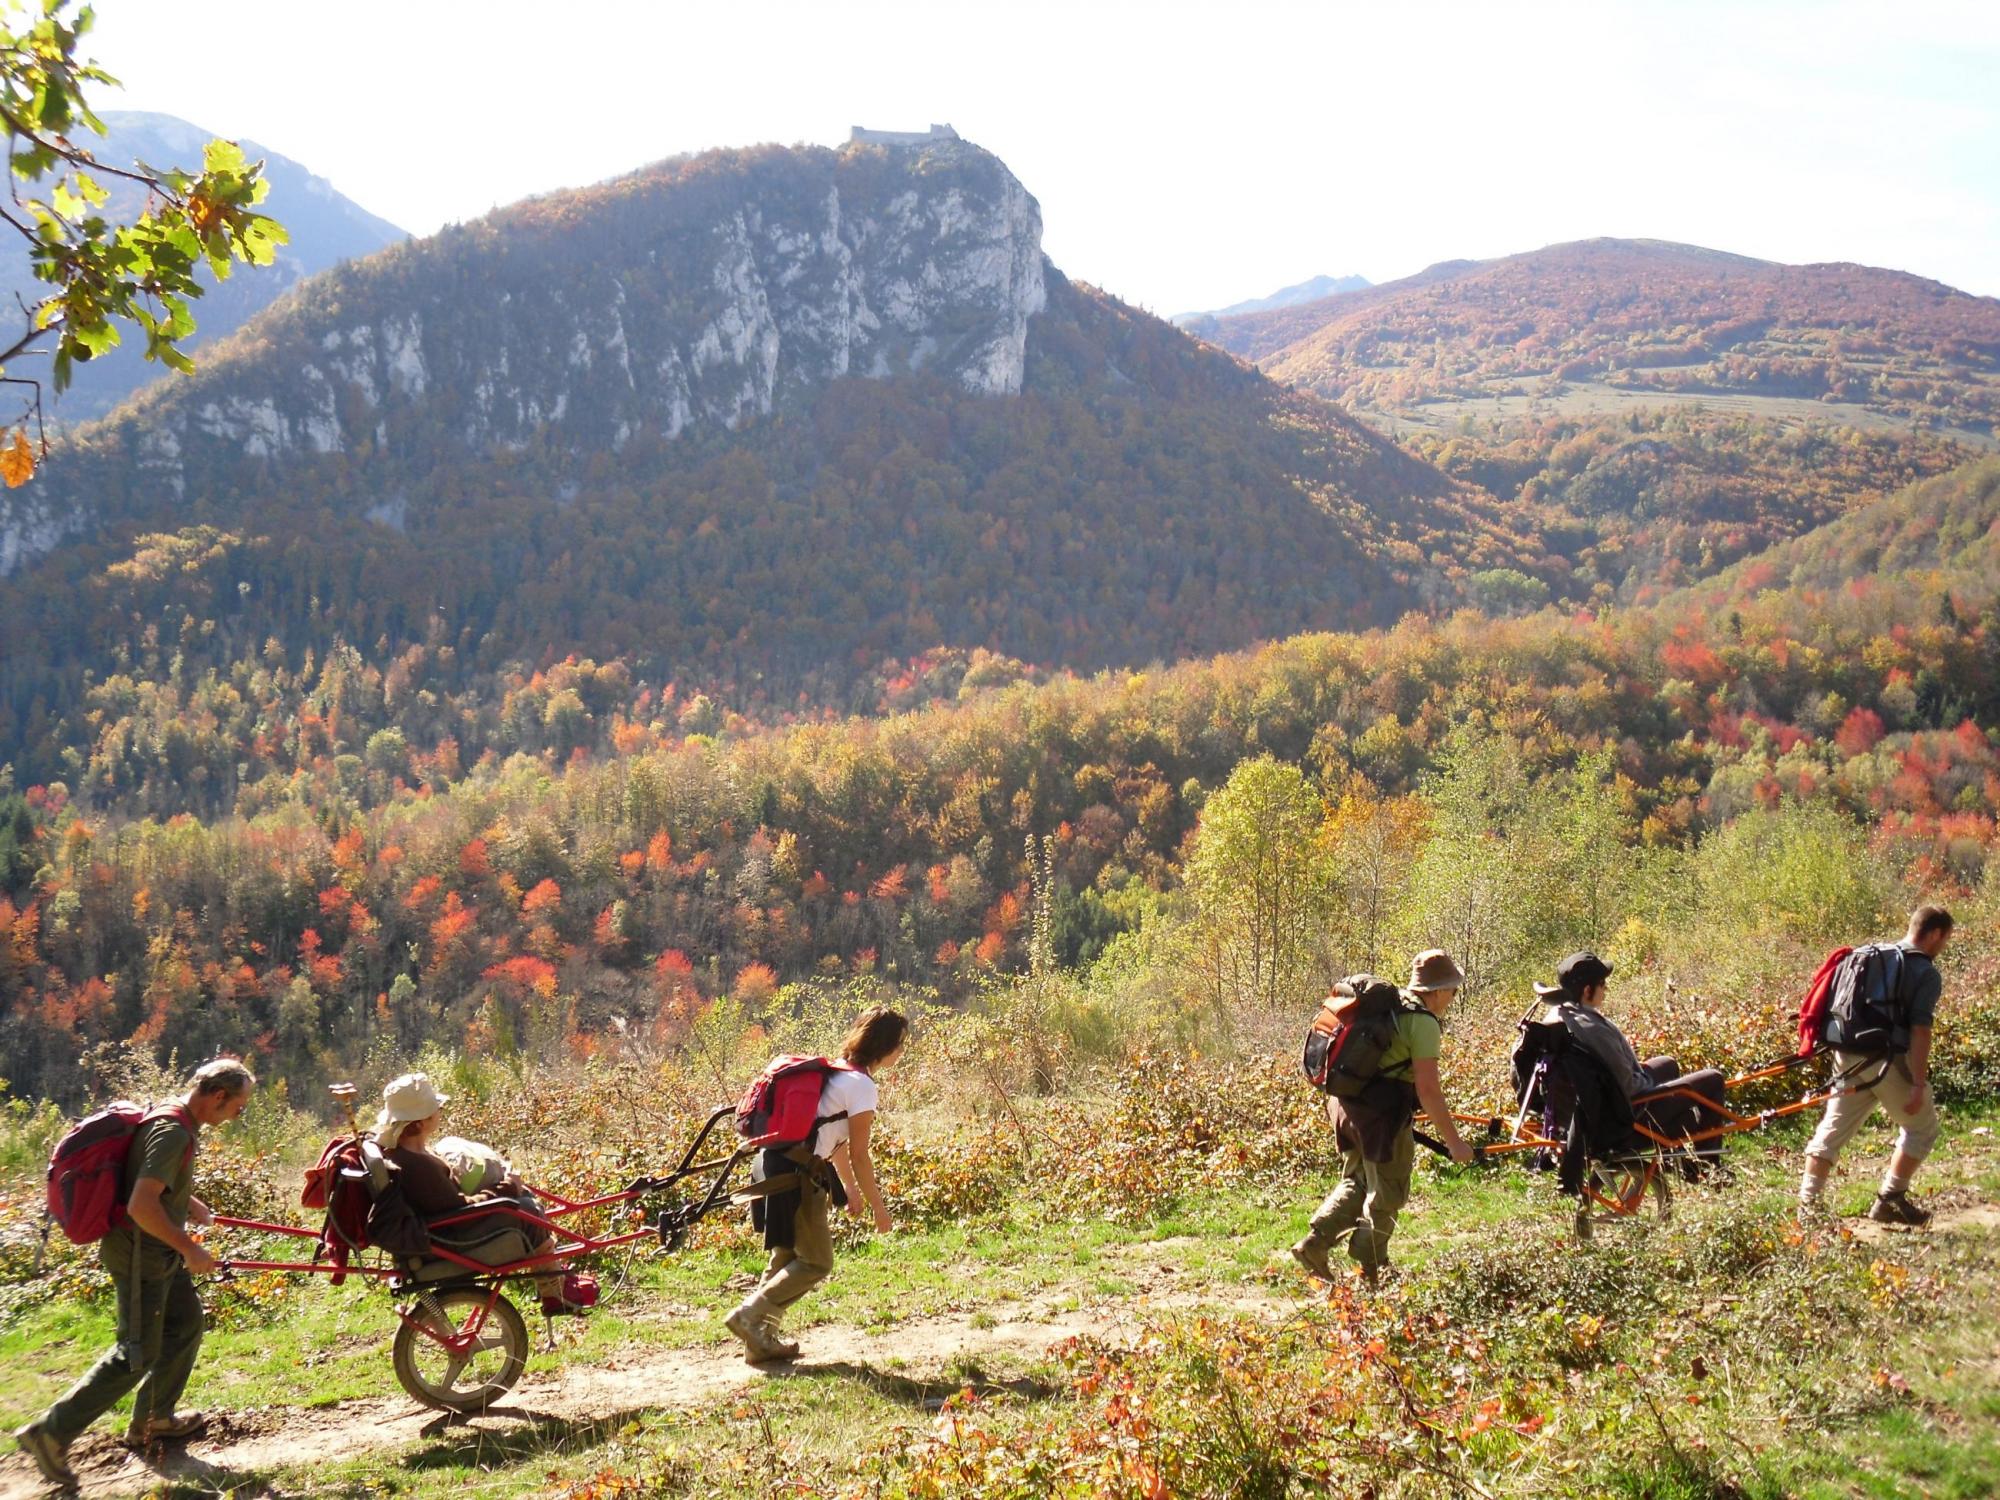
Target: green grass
x=1929, y=1426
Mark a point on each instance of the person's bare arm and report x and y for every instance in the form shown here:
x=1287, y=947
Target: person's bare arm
x=1430, y=1094
x=845, y=1170
x=861, y=1129
x=145, y=1210
x=1920, y=1068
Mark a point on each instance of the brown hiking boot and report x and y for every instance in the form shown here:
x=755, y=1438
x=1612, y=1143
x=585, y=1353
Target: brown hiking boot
x=1896, y=1208
x=174, y=1429
x=1311, y=1254
x=759, y=1346
x=50, y=1456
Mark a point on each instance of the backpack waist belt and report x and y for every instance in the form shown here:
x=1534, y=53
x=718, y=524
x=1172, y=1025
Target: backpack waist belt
x=817, y=1169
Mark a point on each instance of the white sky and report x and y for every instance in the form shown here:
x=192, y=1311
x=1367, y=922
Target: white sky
x=1185, y=156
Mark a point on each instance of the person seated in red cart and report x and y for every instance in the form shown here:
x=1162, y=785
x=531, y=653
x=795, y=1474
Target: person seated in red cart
x=406, y=1129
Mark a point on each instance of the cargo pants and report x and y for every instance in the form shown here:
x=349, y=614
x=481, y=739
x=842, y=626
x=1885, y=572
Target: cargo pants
x=1363, y=1208
x=160, y=1314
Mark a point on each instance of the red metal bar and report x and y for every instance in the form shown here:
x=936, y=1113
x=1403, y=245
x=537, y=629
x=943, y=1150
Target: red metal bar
x=264, y=1228
x=322, y=1268
x=1630, y=1201
x=460, y=1340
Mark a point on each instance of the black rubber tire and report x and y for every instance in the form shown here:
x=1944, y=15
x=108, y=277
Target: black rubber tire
x=424, y=1367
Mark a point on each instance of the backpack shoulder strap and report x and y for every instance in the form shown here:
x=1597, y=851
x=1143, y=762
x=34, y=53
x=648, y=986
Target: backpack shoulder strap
x=178, y=1113
x=1896, y=960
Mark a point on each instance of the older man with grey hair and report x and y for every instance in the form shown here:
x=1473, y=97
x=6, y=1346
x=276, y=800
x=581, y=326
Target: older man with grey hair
x=152, y=1261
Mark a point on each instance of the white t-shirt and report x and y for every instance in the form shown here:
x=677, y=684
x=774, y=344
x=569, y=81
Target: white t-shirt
x=847, y=1089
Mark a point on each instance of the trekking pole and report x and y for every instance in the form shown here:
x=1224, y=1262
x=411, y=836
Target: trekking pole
x=343, y=1095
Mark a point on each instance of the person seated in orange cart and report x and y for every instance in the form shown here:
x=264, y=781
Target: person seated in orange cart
x=406, y=1129
x=1665, y=1100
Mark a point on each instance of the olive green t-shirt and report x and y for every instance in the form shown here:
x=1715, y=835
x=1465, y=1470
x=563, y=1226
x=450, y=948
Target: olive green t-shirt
x=1419, y=1034
x=163, y=1151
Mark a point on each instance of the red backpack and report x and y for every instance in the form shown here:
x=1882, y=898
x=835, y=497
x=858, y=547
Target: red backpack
x=87, y=1168
x=1818, y=1002
x=781, y=1106
x=339, y=1183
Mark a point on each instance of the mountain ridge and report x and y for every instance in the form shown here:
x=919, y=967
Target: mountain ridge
x=1652, y=319
x=326, y=227
x=1312, y=289
x=625, y=421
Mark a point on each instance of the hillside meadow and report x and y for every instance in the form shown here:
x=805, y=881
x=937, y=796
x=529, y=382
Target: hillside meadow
x=1087, y=1294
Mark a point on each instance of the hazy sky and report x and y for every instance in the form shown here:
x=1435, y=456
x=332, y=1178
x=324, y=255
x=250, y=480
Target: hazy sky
x=1185, y=156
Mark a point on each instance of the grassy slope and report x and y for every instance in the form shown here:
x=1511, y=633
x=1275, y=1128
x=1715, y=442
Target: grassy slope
x=1941, y=1438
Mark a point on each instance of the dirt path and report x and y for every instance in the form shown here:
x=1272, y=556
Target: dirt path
x=922, y=1360
x=1954, y=1212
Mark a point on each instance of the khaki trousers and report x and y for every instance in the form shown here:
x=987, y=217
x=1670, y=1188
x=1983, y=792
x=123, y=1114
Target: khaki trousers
x=1363, y=1208
x=794, y=1271
x=1888, y=1084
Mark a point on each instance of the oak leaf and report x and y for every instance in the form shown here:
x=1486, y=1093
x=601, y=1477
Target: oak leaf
x=17, y=462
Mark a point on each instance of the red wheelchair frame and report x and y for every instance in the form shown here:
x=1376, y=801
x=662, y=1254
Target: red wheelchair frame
x=460, y=1318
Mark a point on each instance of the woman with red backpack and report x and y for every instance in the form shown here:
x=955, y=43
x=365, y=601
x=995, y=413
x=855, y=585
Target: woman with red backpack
x=803, y=1182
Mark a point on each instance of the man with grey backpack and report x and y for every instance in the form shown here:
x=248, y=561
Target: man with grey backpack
x=1878, y=1022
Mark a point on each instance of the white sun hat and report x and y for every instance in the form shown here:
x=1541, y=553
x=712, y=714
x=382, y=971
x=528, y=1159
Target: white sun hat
x=411, y=1097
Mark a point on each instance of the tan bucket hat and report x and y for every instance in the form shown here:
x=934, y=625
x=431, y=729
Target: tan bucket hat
x=1434, y=970
x=411, y=1097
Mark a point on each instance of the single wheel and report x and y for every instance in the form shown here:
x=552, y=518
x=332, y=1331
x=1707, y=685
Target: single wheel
x=466, y=1380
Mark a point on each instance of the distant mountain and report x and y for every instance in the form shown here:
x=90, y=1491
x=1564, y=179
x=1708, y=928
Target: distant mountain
x=325, y=227
x=767, y=414
x=1642, y=319
x=1289, y=296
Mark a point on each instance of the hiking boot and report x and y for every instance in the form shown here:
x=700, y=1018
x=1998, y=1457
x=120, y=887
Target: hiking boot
x=174, y=1429
x=1311, y=1254
x=1896, y=1208
x=50, y=1456
x=782, y=1347
x=747, y=1322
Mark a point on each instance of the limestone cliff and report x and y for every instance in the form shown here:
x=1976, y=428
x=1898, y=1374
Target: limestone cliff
x=696, y=294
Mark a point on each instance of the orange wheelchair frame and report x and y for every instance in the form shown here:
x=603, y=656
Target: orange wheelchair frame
x=1616, y=1187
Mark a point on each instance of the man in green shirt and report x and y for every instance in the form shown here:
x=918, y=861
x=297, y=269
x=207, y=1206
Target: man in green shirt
x=152, y=1262
x=1377, y=1143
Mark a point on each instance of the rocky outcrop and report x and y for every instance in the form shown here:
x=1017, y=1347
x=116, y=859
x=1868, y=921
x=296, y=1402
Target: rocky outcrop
x=699, y=294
